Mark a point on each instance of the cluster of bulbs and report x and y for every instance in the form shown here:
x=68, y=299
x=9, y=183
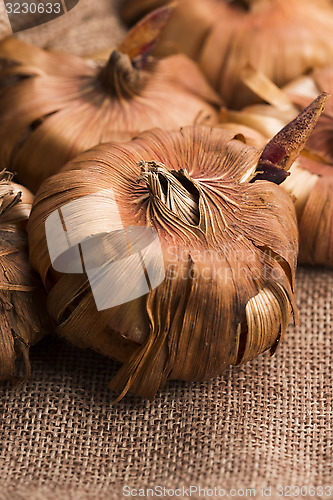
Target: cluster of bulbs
x=199, y=126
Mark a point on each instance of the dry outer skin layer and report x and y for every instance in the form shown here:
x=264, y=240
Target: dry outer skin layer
x=189, y=319
x=283, y=39
x=206, y=195
x=24, y=320
x=55, y=105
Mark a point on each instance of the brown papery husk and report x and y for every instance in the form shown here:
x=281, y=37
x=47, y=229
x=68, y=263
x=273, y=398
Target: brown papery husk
x=24, y=320
x=228, y=291
x=54, y=105
x=283, y=39
x=311, y=180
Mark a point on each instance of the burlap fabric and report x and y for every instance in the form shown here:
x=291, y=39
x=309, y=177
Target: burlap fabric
x=91, y=26
x=264, y=424
x=267, y=424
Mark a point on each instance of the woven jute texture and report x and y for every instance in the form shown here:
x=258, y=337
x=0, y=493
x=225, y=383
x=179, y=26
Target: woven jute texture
x=264, y=424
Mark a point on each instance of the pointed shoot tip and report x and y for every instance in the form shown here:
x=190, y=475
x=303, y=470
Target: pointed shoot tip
x=142, y=38
x=283, y=149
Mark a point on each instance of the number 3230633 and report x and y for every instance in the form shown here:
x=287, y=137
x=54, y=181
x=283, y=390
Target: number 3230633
x=29, y=14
